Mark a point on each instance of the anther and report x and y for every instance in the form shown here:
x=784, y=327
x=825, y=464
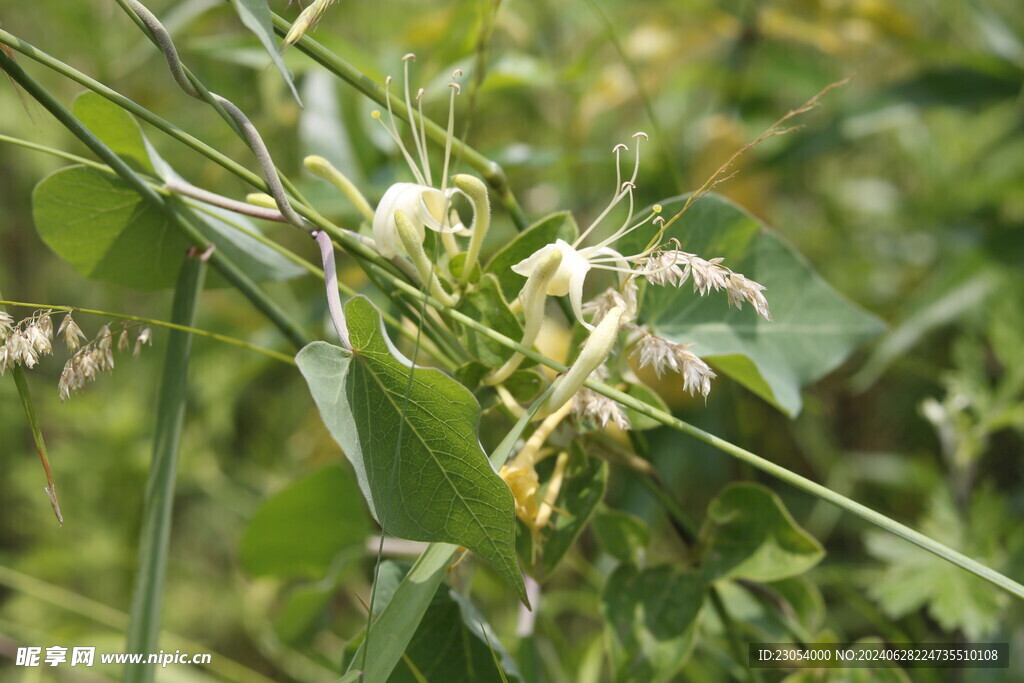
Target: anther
x=409, y=56
x=456, y=87
x=641, y=133
x=619, y=147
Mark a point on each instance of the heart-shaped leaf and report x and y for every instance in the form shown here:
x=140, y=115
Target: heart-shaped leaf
x=749, y=534
x=413, y=443
x=814, y=328
x=653, y=616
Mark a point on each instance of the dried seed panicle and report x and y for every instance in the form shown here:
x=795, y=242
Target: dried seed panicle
x=25, y=342
x=71, y=332
x=664, y=355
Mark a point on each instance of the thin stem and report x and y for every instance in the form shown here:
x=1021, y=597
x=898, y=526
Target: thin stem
x=846, y=504
x=189, y=190
x=225, y=266
x=128, y=105
x=276, y=355
x=731, y=630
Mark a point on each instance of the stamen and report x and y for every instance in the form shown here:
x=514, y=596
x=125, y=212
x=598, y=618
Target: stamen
x=420, y=148
x=393, y=131
x=423, y=136
x=617, y=149
x=455, y=90
x=636, y=165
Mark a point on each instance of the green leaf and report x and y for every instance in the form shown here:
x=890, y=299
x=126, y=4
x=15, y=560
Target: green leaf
x=302, y=528
x=452, y=643
x=116, y=128
x=582, y=490
x=814, y=327
x=749, y=534
x=256, y=16
x=545, y=231
x=623, y=535
x=484, y=303
x=104, y=230
x=440, y=487
x=302, y=614
x=397, y=623
x=653, y=616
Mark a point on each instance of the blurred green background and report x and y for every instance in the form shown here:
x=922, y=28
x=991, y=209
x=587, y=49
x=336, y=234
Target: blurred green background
x=904, y=188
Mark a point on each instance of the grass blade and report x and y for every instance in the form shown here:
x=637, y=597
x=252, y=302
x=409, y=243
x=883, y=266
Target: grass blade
x=37, y=434
x=398, y=622
x=144, y=627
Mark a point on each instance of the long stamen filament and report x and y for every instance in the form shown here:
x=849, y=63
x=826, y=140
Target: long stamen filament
x=451, y=127
x=393, y=131
x=423, y=137
x=420, y=150
x=623, y=231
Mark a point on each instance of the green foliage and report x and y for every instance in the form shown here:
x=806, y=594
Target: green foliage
x=582, y=490
x=913, y=579
x=417, y=459
x=485, y=303
x=750, y=535
x=653, y=615
x=452, y=643
x=813, y=327
x=105, y=231
x=256, y=16
x=623, y=536
x=302, y=528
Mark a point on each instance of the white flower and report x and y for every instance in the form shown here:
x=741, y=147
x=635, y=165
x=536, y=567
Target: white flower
x=577, y=261
x=425, y=205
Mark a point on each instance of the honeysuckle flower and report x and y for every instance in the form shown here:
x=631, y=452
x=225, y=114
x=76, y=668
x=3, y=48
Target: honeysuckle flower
x=657, y=263
x=425, y=205
x=577, y=260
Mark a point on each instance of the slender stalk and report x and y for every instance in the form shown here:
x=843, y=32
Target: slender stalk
x=155, y=534
x=18, y=375
x=136, y=109
x=742, y=454
x=284, y=358
x=224, y=265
